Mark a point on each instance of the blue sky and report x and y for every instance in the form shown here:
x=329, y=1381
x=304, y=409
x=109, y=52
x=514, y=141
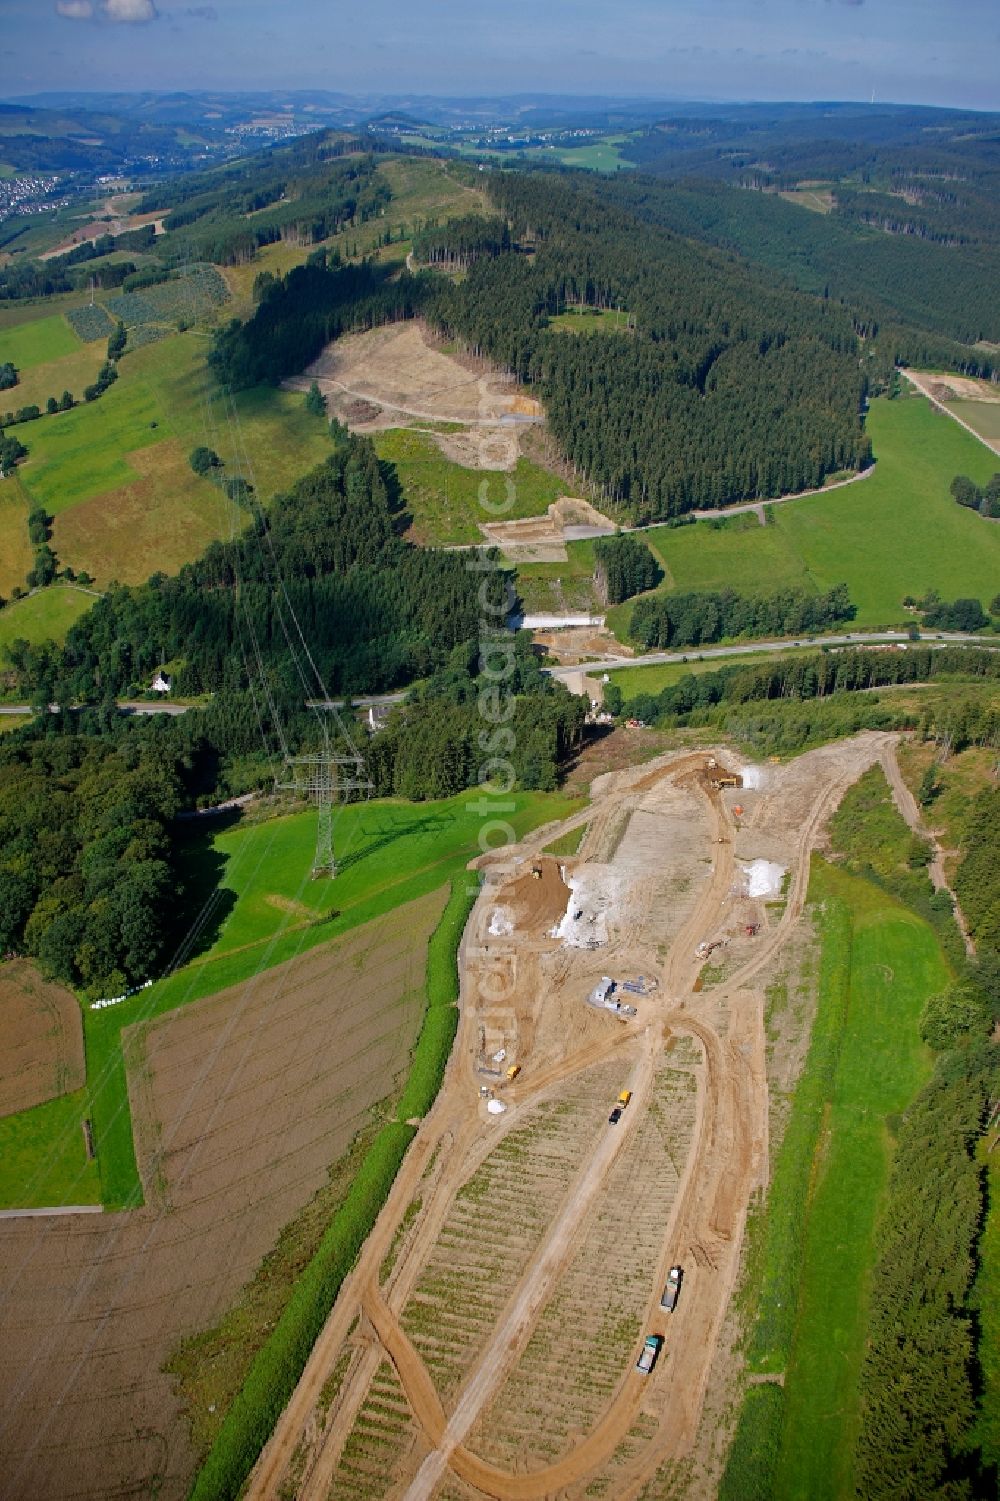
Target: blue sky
x=921, y=51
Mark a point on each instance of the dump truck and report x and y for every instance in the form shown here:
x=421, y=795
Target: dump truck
x=651, y=1348
x=672, y=1289
x=624, y=1097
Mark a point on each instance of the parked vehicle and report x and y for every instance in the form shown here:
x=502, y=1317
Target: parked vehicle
x=650, y=1353
x=672, y=1289
x=615, y=1116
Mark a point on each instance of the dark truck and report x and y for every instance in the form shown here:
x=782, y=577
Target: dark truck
x=672, y=1289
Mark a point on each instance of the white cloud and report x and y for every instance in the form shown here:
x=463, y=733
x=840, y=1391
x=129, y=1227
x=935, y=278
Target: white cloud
x=75, y=10
x=129, y=10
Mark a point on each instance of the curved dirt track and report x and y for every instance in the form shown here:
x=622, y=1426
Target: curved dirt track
x=726, y=1162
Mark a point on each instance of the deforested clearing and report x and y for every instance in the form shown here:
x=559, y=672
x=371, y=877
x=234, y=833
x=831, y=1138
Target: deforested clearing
x=241, y=1105
x=496, y=1223
x=582, y=1343
x=403, y=369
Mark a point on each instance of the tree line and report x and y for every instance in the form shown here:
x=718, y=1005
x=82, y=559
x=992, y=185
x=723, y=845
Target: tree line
x=921, y=1392
x=691, y=619
x=300, y=313
x=982, y=498
x=821, y=675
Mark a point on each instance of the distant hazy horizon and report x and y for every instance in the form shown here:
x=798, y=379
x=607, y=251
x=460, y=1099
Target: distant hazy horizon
x=904, y=51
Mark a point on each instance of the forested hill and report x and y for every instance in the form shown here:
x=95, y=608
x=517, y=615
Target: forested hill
x=727, y=387
x=913, y=209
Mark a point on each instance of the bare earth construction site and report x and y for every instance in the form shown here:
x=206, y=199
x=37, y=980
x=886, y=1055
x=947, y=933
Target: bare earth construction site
x=486, y=1342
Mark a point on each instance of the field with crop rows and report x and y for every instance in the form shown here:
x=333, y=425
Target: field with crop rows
x=383, y=1432
x=497, y=1222
x=587, y=1335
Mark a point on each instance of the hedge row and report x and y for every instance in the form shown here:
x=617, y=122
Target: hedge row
x=279, y=1363
x=433, y=1049
x=918, y=1397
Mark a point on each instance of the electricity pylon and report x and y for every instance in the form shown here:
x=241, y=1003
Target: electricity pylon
x=324, y=778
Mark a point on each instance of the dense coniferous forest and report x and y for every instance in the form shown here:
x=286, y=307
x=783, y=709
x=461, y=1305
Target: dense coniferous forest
x=459, y=242
x=915, y=199
x=693, y=619
x=299, y=313
x=624, y=566
x=728, y=388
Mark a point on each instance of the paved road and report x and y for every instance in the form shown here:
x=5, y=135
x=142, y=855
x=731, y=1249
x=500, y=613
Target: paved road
x=749, y=648
x=611, y=664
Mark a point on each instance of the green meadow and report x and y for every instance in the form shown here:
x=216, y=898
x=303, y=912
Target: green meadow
x=43, y=1160
x=813, y=1253
x=44, y=616
x=252, y=883
x=896, y=533
x=122, y=460
x=590, y=320
x=442, y=497
x=633, y=680
x=35, y=343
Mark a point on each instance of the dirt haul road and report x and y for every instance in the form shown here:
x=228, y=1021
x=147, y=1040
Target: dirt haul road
x=727, y=1159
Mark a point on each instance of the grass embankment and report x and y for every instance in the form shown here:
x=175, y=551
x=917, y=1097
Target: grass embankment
x=267, y=910
x=566, y=844
x=278, y=1363
x=442, y=497
x=897, y=532
x=635, y=680
x=43, y=1158
x=982, y=416
x=879, y=964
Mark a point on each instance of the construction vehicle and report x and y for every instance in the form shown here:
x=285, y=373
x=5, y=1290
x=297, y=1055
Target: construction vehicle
x=624, y=1097
x=672, y=1288
x=726, y=780
x=513, y=1072
x=753, y=928
x=651, y=1348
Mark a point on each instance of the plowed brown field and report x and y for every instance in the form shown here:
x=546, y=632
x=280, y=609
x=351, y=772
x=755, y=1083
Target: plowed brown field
x=241, y=1102
x=42, y=1032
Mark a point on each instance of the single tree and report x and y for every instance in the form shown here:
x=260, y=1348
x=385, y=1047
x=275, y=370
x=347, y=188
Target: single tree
x=66, y=403
x=315, y=403
x=203, y=460
x=117, y=342
x=965, y=491
x=8, y=376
